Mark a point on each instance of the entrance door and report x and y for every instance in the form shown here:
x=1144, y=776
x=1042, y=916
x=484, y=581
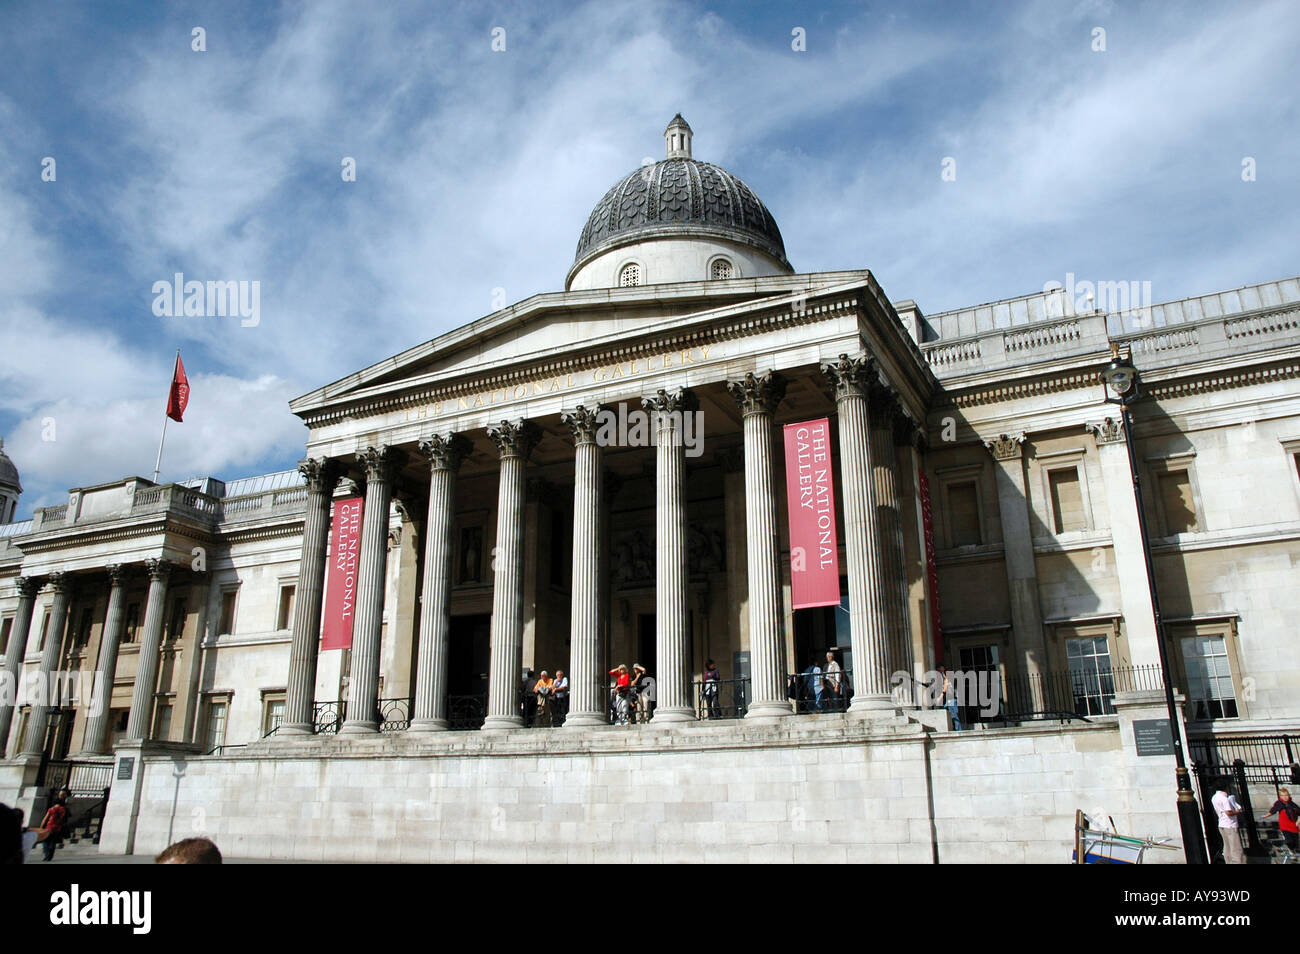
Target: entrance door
x=645, y=643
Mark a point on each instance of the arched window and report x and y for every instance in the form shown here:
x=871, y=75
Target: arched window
x=630, y=276
x=721, y=268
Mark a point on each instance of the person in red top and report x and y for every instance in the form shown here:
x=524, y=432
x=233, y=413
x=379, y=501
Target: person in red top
x=1288, y=813
x=52, y=824
x=622, y=692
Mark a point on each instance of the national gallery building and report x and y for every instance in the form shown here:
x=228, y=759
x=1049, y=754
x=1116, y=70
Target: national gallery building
x=331, y=663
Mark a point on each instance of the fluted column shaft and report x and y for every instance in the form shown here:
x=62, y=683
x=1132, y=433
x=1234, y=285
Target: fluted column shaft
x=146, y=675
x=672, y=628
x=867, y=628
x=300, y=696
x=445, y=452
x=372, y=574
x=96, y=738
x=586, y=699
x=758, y=397
x=28, y=587
x=889, y=526
x=515, y=441
x=41, y=702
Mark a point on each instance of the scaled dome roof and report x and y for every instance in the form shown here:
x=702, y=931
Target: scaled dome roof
x=679, y=196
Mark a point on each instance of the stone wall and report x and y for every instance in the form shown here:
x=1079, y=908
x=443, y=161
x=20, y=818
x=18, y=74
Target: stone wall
x=813, y=789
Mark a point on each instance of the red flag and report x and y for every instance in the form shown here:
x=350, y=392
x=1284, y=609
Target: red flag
x=180, y=392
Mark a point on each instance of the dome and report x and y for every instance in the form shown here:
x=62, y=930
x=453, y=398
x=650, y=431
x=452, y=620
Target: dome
x=8, y=472
x=679, y=197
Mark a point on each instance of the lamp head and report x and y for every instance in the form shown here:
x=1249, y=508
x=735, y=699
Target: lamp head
x=1121, y=380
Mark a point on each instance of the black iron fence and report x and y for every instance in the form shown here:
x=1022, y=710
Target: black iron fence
x=467, y=712
x=392, y=715
x=722, y=698
x=1266, y=759
x=1069, y=694
x=75, y=776
x=818, y=691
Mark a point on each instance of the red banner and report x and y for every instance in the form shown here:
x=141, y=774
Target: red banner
x=931, y=572
x=341, y=580
x=179, y=394
x=810, y=497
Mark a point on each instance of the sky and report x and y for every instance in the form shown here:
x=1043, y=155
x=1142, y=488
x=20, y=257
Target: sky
x=1105, y=140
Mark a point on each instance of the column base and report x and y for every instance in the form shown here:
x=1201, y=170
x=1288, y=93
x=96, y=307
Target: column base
x=429, y=725
x=873, y=707
x=673, y=715
x=359, y=728
x=584, y=720
x=768, y=711
x=501, y=723
x=297, y=730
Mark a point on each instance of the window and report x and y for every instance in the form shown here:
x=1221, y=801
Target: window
x=963, y=514
x=721, y=268
x=227, y=612
x=215, y=733
x=6, y=628
x=132, y=624
x=117, y=720
x=1210, y=692
x=630, y=276
x=285, y=616
x=272, y=711
x=1176, y=502
x=176, y=623
x=45, y=628
x=162, y=720
x=83, y=627
x=1091, y=680
x=1067, y=500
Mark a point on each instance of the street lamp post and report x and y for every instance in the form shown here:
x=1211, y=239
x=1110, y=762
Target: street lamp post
x=1121, y=379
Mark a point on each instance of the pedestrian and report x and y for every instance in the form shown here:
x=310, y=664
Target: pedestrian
x=948, y=693
x=52, y=824
x=544, y=690
x=833, y=683
x=561, y=696
x=529, y=700
x=711, y=689
x=813, y=687
x=190, y=851
x=622, y=693
x=645, y=695
x=1228, y=808
x=1288, y=813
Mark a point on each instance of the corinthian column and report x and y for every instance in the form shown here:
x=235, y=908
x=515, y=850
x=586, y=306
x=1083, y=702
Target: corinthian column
x=587, y=703
x=28, y=587
x=672, y=633
x=322, y=474
x=892, y=583
x=515, y=441
x=96, y=741
x=853, y=378
x=758, y=397
x=380, y=464
x=146, y=674
x=445, y=452
x=61, y=584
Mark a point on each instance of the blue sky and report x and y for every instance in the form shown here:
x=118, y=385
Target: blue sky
x=476, y=170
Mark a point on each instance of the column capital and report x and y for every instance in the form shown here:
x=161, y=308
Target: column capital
x=671, y=401
x=515, y=438
x=851, y=376
x=59, y=582
x=445, y=451
x=1006, y=446
x=584, y=422
x=758, y=393
x=158, y=569
x=322, y=473
x=29, y=586
x=117, y=573
x=1108, y=431
x=380, y=463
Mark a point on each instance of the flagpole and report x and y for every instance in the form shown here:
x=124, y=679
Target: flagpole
x=157, y=465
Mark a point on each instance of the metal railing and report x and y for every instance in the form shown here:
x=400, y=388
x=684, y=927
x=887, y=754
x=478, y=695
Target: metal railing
x=467, y=712
x=77, y=777
x=722, y=698
x=393, y=715
x=817, y=692
x=1061, y=694
x=1264, y=759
